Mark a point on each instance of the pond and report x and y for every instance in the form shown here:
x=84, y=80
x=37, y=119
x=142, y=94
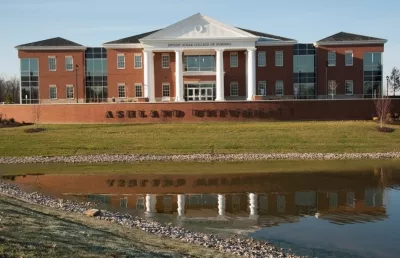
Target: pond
x=318, y=214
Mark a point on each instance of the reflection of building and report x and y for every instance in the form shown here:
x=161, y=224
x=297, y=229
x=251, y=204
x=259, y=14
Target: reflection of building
x=244, y=200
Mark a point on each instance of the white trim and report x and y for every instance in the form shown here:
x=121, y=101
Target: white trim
x=55, y=87
x=199, y=73
x=162, y=62
x=123, y=46
x=134, y=61
x=230, y=59
x=352, y=57
x=65, y=63
x=276, y=43
x=55, y=63
x=141, y=89
x=353, y=42
x=276, y=53
x=230, y=89
x=352, y=87
x=329, y=63
x=264, y=83
x=258, y=58
x=162, y=91
x=279, y=82
x=51, y=48
x=66, y=91
x=121, y=68
x=118, y=85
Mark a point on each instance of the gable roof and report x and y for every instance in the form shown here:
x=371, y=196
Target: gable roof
x=345, y=38
x=132, y=39
x=57, y=42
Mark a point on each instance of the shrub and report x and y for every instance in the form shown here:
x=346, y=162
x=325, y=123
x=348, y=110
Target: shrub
x=12, y=120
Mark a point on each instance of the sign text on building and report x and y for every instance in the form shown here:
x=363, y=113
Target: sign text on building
x=205, y=44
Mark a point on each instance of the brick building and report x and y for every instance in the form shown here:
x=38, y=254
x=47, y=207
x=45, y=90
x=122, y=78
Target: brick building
x=201, y=59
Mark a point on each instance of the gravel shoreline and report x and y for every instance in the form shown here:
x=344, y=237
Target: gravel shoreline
x=132, y=158
x=235, y=245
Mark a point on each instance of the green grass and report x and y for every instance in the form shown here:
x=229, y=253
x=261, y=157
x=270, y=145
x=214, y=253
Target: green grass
x=252, y=137
x=198, y=168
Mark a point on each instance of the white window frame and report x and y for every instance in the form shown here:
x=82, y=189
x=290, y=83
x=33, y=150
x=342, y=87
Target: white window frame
x=118, y=56
x=66, y=91
x=138, y=85
x=72, y=63
x=277, y=55
x=279, y=83
x=163, y=62
x=330, y=89
x=52, y=87
x=262, y=83
x=264, y=54
x=345, y=58
x=237, y=59
x=237, y=89
x=55, y=63
x=121, y=85
x=331, y=57
x=169, y=90
x=134, y=61
x=352, y=87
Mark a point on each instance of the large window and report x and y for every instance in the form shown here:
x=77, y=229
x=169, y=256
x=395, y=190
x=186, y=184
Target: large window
x=29, y=80
x=262, y=59
x=199, y=63
x=331, y=58
x=304, y=75
x=52, y=63
x=348, y=58
x=96, y=75
x=349, y=88
x=121, y=91
x=234, y=60
x=138, y=61
x=234, y=89
x=69, y=63
x=372, y=74
x=278, y=58
x=121, y=61
x=70, y=91
x=165, y=60
x=279, y=88
x=138, y=90
x=52, y=92
x=262, y=88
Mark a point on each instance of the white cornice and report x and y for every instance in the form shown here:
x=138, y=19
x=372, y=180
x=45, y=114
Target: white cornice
x=191, y=40
x=276, y=43
x=43, y=48
x=352, y=42
x=123, y=46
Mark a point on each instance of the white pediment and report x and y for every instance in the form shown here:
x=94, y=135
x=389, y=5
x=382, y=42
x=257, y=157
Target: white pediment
x=199, y=26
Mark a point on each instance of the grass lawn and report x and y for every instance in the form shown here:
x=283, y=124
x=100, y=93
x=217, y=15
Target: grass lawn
x=252, y=137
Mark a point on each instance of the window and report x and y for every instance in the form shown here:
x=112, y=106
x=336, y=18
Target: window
x=165, y=90
x=262, y=61
x=96, y=67
x=279, y=88
x=138, y=61
x=165, y=60
x=349, y=58
x=29, y=80
x=234, y=89
x=234, y=60
x=262, y=88
x=372, y=74
x=69, y=63
x=278, y=58
x=138, y=91
x=333, y=200
x=121, y=91
x=52, y=63
x=349, y=87
x=121, y=61
x=70, y=91
x=199, y=63
x=332, y=85
x=331, y=58
x=53, y=92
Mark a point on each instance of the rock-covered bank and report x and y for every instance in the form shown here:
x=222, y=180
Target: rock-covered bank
x=235, y=245
x=131, y=158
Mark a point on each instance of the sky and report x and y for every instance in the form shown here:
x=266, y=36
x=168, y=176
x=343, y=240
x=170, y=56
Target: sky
x=93, y=22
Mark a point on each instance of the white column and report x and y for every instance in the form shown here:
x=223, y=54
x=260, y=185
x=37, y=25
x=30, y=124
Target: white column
x=221, y=204
x=253, y=201
x=251, y=73
x=147, y=75
x=181, y=205
x=151, y=201
x=178, y=76
x=220, y=95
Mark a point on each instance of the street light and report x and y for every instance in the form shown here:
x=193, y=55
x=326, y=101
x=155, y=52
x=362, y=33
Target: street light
x=299, y=84
x=387, y=86
x=76, y=82
x=326, y=76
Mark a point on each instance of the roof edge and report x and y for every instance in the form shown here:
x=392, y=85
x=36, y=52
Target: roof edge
x=276, y=43
x=350, y=42
x=51, y=47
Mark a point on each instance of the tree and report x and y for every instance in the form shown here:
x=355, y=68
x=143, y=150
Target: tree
x=9, y=89
x=36, y=115
x=394, y=80
x=382, y=107
x=332, y=88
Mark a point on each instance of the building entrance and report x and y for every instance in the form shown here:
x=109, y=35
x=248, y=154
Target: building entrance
x=200, y=92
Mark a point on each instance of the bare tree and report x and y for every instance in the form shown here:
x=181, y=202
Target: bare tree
x=332, y=88
x=9, y=90
x=394, y=80
x=36, y=115
x=382, y=107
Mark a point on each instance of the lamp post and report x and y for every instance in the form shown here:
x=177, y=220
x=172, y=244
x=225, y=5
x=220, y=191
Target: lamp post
x=326, y=76
x=387, y=86
x=76, y=81
x=299, y=84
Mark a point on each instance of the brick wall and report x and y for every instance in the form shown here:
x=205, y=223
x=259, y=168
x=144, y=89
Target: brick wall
x=197, y=111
